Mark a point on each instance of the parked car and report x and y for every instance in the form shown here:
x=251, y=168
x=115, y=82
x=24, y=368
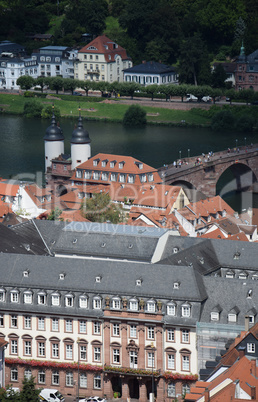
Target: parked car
x=75, y=93
x=93, y=399
x=206, y=99
x=191, y=98
x=51, y=395
x=106, y=95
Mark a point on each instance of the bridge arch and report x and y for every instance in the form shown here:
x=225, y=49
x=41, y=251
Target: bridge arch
x=183, y=183
x=242, y=176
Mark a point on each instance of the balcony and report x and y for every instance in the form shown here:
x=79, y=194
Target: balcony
x=92, y=71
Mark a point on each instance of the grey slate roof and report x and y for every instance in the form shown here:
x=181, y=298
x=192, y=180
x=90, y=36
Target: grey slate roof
x=21, y=239
x=231, y=294
x=101, y=240
x=150, y=67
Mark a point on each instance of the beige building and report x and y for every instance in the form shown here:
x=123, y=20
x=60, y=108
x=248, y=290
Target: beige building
x=101, y=60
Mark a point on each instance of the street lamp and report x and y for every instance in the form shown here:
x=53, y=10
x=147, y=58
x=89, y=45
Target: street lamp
x=236, y=143
x=152, y=374
x=188, y=153
x=245, y=141
x=78, y=385
x=179, y=154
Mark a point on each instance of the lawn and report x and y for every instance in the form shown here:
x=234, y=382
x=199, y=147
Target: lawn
x=14, y=104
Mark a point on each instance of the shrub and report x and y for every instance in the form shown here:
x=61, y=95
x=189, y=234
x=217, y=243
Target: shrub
x=134, y=116
x=47, y=112
x=28, y=94
x=223, y=120
x=245, y=123
x=32, y=108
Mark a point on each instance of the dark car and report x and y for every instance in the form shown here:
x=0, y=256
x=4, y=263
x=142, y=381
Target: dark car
x=77, y=93
x=255, y=103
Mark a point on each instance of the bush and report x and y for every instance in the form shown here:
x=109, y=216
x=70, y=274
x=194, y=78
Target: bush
x=28, y=94
x=47, y=112
x=32, y=109
x=134, y=116
x=245, y=123
x=223, y=120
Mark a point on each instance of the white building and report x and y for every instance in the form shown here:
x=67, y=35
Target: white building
x=151, y=72
x=11, y=68
x=101, y=60
x=55, y=61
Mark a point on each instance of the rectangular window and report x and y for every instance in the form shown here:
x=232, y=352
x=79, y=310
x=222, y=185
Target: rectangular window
x=185, y=311
x=97, y=354
x=14, y=347
x=55, y=324
x=68, y=325
x=1, y=320
x=14, y=297
x=55, y=350
x=83, y=300
x=171, y=335
x=83, y=352
x=96, y=327
x=83, y=380
x=41, y=349
x=14, y=374
x=41, y=377
x=69, y=352
x=97, y=382
x=171, y=309
x=151, y=307
x=41, y=299
x=150, y=359
x=116, y=304
x=55, y=378
x=69, y=301
x=133, y=331
x=27, y=298
x=14, y=321
x=41, y=323
x=150, y=332
x=2, y=296
x=171, y=390
x=55, y=300
x=27, y=348
x=251, y=347
x=97, y=304
x=27, y=322
x=82, y=326
x=185, y=335
x=171, y=361
x=69, y=379
x=185, y=363
x=133, y=305
x=116, y=356
x=116, y=330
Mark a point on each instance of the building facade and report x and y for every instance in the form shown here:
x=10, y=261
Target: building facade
x=11, y=68
x=246, y=74
x=101, y=60
x=151, y=72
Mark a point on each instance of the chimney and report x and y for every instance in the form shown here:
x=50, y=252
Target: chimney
x=253, y=367
x=246, y=322
x=206, y=395
x=253, y=393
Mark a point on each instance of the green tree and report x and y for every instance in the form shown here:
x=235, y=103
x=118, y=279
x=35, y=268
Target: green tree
x=129, y=88
x=29, y=392
x=54, y=214
x=32, y=108
x=47, y=112
x=56, y=84
x=8, y=394
x=151, y=90
x=134, y=116
x=86, y=85
x=25, y=82
x=223, y=120
x=100, y=209
x=245, y=123
x=70, y=84
x=218, y=77
x=42, y=82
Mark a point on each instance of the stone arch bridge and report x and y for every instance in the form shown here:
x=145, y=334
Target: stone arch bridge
x=204, y=175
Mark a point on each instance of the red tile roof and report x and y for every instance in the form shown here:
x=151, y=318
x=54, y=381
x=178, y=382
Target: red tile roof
x=103, y=45
x=9, y=189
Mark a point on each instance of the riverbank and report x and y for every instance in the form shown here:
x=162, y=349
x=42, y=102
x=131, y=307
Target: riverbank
x=158, y=112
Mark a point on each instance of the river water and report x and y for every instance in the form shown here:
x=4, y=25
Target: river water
x=22, y=145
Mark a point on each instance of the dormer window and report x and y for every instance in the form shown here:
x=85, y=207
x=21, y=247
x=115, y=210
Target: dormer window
x=96, y=175
x=122, y=178
x=62, y=275
x=121, y=165
x=151, y=306
x=214, y=316
x=175, y=250
x=95, y=162
x=42, y=298
x=55, y=299
x=69, y=300
x=27, y=297
x=104, y=163
x=14, y=296
x=79, y=174
x=242, y=275
x=150, y=177
x=98, y=279
x=26, y=274
x=176, y=285
x=232, y=317
x=104, y=176
x=133, y=305
x=2, y=295
x=112, y=164
x=139, y=165
x=113, y=176
x=87, y=174
x=116, y=303
x=143, y=178
x=171, y=309
x=229, y=274
x=131, y=178
x=138, y=282
x=186, y=310
x=83, y=301
x=97, y=303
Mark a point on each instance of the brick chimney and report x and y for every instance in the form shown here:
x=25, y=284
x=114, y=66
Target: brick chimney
x=253, y=367
x=206, y=395
x=246, y=322
x=253, y=393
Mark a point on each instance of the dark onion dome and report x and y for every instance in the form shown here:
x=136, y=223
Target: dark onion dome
x=80, y=135
x=54, y=132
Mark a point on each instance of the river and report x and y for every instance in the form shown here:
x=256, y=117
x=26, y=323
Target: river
x=22, y=144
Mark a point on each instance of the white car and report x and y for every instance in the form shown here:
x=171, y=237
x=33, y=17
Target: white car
x=206, y=99
x=191, y=98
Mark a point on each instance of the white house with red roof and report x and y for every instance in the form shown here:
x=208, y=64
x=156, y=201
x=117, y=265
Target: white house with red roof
x=101, y=60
